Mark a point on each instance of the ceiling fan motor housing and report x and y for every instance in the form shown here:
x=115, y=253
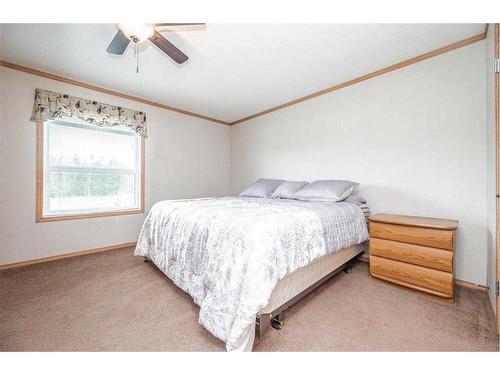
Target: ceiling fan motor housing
x=137, y=33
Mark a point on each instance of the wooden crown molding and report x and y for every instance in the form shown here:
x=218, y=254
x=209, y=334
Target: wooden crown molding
x=89, y=86
x=425, y=56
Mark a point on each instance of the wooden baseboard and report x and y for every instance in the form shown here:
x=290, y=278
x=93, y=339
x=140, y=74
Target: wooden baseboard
x=466, y=284
x=363, y=258
x=67, y=255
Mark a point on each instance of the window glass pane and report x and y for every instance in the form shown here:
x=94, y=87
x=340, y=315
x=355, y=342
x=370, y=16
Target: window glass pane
x=86, y=190
x=93, y=148
x=88, y=169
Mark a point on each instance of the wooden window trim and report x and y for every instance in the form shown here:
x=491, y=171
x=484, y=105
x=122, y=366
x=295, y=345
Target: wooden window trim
x=41, y=218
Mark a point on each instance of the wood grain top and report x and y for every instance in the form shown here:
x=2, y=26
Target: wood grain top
x=416, y=221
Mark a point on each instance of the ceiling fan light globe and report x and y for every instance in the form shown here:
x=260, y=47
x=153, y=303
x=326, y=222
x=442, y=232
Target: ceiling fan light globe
x=137, y=32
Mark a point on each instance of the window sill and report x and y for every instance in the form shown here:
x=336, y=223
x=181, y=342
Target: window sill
x=43, y=219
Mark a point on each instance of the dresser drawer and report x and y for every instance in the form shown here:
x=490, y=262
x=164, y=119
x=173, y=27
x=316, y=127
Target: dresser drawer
x=408, y=274
x=415, y=254
x=442, y=239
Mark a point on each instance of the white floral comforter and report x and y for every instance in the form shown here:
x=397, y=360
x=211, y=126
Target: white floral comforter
x=229, y=253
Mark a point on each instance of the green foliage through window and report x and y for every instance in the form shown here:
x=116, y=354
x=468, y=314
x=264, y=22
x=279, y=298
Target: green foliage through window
x=90, y=169
x=78, y=184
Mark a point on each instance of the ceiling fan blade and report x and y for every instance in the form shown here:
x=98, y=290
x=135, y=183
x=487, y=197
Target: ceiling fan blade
x=176, y=54
x=180, y=26
x=119, y=44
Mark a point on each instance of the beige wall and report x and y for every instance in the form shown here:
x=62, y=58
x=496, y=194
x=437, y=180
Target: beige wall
x=185, y=157
x=414, y=138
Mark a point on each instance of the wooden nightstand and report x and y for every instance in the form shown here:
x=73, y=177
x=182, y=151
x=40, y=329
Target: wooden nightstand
x=416, y=252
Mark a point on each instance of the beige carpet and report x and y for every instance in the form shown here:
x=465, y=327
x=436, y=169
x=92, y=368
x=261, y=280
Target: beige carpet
x=115, y=302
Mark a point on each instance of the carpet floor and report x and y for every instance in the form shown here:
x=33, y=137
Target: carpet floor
x=115, y=302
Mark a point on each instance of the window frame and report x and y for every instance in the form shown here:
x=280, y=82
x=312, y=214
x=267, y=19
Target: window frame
x=40, y=217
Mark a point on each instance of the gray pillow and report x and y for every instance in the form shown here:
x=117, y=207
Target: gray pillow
x=262, y=188
x=288, y=188
x=356, y=198
x=326, y=190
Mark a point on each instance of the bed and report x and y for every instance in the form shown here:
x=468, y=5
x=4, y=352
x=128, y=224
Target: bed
x=245, y=260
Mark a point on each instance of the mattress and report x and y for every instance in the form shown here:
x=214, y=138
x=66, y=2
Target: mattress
x=302, y=278
x=229, y=253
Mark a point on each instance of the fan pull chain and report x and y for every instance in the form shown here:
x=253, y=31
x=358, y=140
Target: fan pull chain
x=136, y=53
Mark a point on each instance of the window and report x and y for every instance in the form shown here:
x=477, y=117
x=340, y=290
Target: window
x=87, y=171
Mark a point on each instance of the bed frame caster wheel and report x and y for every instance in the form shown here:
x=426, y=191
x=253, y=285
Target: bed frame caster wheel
x=277, y=321
x=276, y=324
x=348, y=268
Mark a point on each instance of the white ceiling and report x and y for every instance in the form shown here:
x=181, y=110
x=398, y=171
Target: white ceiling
x=234, y=70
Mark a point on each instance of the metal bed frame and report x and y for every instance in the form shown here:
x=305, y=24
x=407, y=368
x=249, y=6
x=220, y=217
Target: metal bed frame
x=264, y=321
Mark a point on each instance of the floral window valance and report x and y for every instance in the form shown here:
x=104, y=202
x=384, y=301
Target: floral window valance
x=50, y=105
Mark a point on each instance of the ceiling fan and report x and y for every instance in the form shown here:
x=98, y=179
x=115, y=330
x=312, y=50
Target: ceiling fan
x=139, y=33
